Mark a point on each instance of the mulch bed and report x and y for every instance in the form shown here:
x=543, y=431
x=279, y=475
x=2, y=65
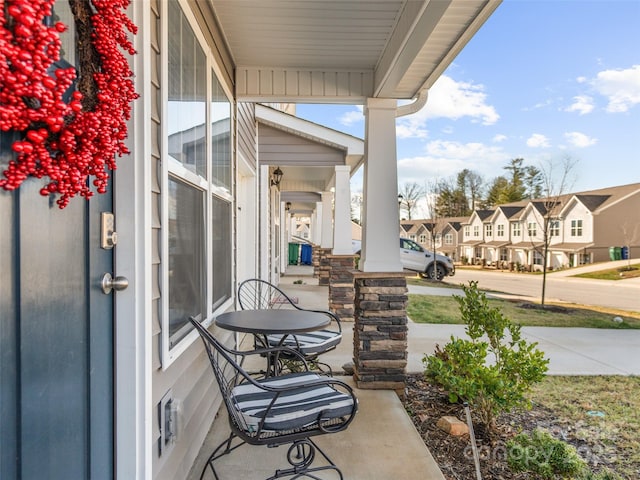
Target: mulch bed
x=427, y=403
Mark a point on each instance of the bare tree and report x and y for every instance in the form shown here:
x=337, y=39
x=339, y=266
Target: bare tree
x=432, y=193
x=556, y=179
x=408, y=197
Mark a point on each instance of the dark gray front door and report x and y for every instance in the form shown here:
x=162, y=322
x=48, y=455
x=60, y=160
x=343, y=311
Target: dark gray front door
x=56, y=337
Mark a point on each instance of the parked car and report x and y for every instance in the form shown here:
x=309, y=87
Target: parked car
x=417, y=259
x=414, y=257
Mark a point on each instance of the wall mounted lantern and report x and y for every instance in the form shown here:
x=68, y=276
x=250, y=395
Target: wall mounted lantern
x=276, y=177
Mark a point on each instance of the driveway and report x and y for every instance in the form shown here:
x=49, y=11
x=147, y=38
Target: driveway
x=561, y=286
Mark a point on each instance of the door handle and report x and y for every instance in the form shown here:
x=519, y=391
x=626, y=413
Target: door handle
x=110, y=283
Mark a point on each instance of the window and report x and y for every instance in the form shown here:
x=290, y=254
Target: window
x=467, y=231
x=554, y=228
x=537, y=258
x=412, y=236
x=423, y=238
x=504, y=255
x=476, y=230
x=488, y=230
x=516, y=231
x=448, y=239
x=532, y=229
x=198, y=166
x=576, y=228
x=500, y=230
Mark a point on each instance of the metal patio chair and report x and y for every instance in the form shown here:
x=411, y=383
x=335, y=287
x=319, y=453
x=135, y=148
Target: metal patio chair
x=275, y=411
x=256, y=294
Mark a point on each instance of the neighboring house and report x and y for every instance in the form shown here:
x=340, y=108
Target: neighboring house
x=443, y=235
x=473, y=231
x=92, y=377
x=452, y=237
x=582, y=229
x=406, y=226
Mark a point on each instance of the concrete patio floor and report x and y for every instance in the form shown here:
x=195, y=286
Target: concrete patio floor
x=382, y=443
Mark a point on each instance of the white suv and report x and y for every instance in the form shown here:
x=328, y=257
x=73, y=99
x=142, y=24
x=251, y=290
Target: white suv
x=416, y=258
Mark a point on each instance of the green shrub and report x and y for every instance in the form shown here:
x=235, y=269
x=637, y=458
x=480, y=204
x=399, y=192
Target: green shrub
x=544, y=455
x=495, y=368
x=549, y=457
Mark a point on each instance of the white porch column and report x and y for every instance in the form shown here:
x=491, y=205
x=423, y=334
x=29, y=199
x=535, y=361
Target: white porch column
x=342, y=212
x=327, y=221
x=381, y=223
x=264, y=236
x=317, y=225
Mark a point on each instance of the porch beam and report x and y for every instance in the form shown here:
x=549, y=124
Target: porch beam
x=265, y=84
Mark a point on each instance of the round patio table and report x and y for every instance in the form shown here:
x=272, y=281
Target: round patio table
x=262, y=323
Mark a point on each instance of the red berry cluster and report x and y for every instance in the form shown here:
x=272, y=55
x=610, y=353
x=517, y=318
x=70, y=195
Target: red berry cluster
x=63, y=141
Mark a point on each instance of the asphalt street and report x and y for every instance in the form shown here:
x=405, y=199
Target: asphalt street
x=561, y=287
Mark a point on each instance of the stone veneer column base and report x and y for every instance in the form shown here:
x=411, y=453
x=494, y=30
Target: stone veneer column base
x=324, y=267
x=380, y=331
x=341, y=291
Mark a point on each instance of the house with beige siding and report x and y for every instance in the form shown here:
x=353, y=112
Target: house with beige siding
x=103, y=376
x=581, y=228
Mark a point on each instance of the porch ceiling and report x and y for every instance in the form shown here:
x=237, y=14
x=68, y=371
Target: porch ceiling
x=343, y=51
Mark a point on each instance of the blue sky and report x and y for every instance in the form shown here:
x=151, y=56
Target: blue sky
x=541, y=80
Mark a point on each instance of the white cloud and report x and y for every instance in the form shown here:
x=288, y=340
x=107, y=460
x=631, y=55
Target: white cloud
x=452, y=100
x=404, y=130
x=443, y=159
x=351, y=117
x=499, y=138
x=582, y=104
x=538, y=140
x=581, y=79
x=579, y=140
x=621, y=87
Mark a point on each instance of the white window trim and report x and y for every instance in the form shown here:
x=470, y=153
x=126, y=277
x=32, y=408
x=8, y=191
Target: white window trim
x=169, y=355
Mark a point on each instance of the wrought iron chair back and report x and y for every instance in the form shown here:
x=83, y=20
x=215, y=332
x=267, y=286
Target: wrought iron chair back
x=256, y=294
x=287, y=409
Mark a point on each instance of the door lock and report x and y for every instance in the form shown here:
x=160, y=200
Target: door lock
x=108, y=235
x=109, y=283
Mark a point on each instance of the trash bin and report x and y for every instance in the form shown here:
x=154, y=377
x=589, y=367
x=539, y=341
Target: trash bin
x=294, y=253
x=617, y=253
x=612, y=253
x=624, y=251
x=305, y=254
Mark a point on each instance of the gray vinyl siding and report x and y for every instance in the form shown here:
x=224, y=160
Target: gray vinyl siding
x=282, y=148
x=189, y=377
x=247, y=133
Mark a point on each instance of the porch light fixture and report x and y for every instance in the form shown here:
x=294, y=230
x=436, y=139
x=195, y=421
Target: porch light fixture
x=287, y=206
x=276, y=177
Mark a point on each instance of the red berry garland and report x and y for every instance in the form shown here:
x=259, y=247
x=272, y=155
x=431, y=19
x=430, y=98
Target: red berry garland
x=63, y=141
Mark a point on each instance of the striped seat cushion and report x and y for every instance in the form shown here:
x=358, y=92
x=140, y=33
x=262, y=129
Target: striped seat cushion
x=296, y=408
x=308, y=343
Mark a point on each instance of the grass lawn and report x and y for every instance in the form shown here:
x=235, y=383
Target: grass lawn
x=620, y=273
x=444, y=309
x=601, y=412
